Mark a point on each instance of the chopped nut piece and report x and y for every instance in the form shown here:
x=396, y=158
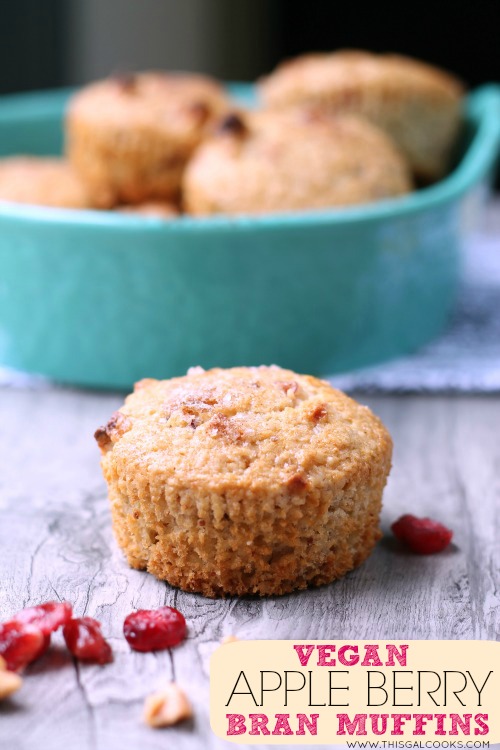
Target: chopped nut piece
x=10, y=682
x=117, y=425
x=289, y=388
x=225, y=427
x=167, y=707
x=318, y=413
x=118, y=422
x=101, y=437
x=195, y=370
x=297, y=483
x=229, y=639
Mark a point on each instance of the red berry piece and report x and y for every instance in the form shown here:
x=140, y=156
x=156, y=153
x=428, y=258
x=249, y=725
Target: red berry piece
x=47, y=617
x=44, y=647
x=21, y=644
x=422, y=535
x=86, y=642
x=154, y=629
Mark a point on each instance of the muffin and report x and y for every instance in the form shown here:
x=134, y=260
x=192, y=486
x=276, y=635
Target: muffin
x=244, y=481
x=129, y=137
x=281, y=161
x=41, y=182
x=151, y=210
x=418, y=105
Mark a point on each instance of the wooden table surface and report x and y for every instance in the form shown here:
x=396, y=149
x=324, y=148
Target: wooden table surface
x=56, y=543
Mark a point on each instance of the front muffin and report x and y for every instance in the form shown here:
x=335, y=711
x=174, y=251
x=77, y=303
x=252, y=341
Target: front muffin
x=282, y=161
x=244, y=481
x=129, y=137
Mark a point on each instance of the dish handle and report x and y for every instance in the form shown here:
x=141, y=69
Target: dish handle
x=484, y=152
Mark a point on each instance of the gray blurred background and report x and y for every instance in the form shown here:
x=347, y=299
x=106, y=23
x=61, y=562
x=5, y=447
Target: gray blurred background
x=49, y=43
x=221, y=37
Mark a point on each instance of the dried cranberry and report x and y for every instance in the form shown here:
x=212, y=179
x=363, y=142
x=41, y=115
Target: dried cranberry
x=127, y=82
x=20, y=644
x=44, y=647
x=233, y=124
x=154, y=629
x=47, y=617
x=86, y=642
x=422, y=535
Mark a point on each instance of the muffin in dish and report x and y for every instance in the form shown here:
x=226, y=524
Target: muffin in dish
x=151, y=210
x=418, y=105
x=265, y=162
x=244, y=481
x=130, y=136
x=41, y=182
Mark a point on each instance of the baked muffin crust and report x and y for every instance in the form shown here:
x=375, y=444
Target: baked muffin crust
x=41, y=181
x=244, y=481
x=151, y=209
x=418, y=105
x=129, y=137
x=280, y=161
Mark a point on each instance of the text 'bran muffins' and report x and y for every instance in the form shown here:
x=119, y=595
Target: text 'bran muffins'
x=416, y=104
x=244, y=481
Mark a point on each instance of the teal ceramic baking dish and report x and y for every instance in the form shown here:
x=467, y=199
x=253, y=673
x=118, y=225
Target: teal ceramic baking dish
x=102, y=299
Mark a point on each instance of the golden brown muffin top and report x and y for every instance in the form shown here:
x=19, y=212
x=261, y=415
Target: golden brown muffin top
x=302, y=159
x=41, y=182
x=179, y=104
x=323, y=75
x=257, y=428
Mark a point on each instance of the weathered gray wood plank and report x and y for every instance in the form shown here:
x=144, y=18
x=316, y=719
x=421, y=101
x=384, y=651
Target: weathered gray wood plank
x=56, y=542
